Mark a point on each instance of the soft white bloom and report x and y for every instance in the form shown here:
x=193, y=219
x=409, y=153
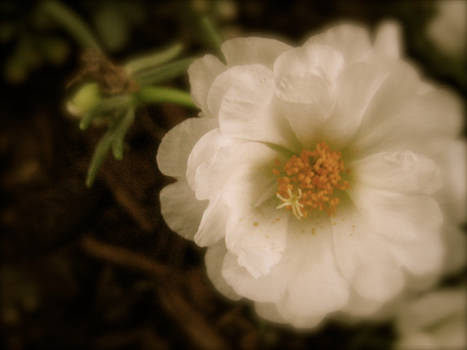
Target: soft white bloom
x=316, y=175
x=434, y=321
x=448, y=29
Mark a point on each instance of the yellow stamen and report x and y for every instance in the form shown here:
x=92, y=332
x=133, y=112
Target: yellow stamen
x=292, y=202
x=309, y=181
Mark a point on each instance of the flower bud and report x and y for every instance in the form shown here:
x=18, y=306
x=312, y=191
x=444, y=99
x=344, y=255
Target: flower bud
x=84, y=100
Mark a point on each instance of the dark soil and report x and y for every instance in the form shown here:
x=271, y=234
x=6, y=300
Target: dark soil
x=98, y=268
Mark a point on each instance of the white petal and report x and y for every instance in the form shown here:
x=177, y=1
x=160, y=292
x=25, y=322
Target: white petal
x=431, y=308
x=267, y=288
x=180, y=209
x=177, y=144
x=417, y=340
x=252, y=50
x=201, y=74
x=398, y=217
x=246, y=166
x=402, y=120
x=402, y=172
x=305, y=82
x=423, y=258
x=257, y=236
x=306, y=120
x=269, y=312
x=312, y=61
x=250, y=181
x=364, y=260
x=356, y=86
x=212, y=226
x=316, y=287
x=388, y=39
x=451, y=157
x=456, y=246
x=359, y=306
x=246, y=76
x=205, y=153
x=245, y=108
x=350, y=39
x=214, y=260
x=452, y=334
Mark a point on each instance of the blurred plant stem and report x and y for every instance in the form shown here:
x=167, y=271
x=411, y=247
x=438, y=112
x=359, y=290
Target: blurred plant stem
x=72, y=23
x=157, y=94
x=212, y=36
x=153, y=59
x=113, y=93
x=157, y=74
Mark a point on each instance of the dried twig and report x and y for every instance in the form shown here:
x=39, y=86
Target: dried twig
x=191, y=322
x=124, y=257
x=125, y=198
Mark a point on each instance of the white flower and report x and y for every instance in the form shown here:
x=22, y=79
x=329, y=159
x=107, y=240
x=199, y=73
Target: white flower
x=313, y=175
x=433, y=321
x=448, y=28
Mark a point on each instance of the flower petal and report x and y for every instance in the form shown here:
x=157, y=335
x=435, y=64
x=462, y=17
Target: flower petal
x=364, y=260
x=402, y=172
x=251, y=50
x=398, y=217
x=456, y=245
x=352, y=40
x=243, y=103
x=315, y=287
x=266, y=288
x=257, y=236
x=217, y=160
x=269, y=312
x=402, y=120
x=431, y=308
x=295, y=66
x=417, y=340
x=358, y=306
x=305, y=78
x=177, y=144
x=180, y=209
x=201, y=74
x=202, y=157
x=423, y=258
x=451, y=156
x=388, y=39
x=212, y=226
x=214, y=260
x=356, y=86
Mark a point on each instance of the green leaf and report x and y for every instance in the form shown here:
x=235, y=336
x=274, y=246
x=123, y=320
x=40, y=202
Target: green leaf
x=163, y=73
x=110, y=104
x=153, y=59
x=156, y=94
x=99, y=155
x=71, y=22
x=120, y=132
x=212, y=36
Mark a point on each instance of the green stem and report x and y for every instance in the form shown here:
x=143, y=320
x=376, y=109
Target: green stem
x=72, y=23
x=106, y=105
x=153, y=59
x=121, y=130
x=99, y=155
x=162, y=73
x=155, y=94
x=212, y=36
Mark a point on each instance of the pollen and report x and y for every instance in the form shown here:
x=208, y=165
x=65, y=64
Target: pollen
x=311, y=181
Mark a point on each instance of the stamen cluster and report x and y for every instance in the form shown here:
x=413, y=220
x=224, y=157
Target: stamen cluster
x=309, y=181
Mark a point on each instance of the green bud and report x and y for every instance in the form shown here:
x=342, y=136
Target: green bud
x=84, y=100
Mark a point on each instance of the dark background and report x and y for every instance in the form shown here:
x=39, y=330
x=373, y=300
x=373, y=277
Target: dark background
x=98, y=268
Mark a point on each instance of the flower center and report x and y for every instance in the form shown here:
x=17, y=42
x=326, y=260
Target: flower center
x=311, y=181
